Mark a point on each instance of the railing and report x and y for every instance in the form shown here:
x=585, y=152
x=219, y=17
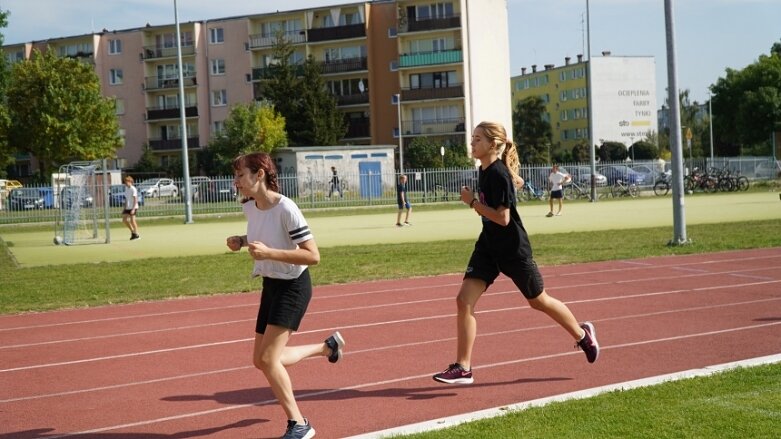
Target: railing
x=431, y=58
x=154, y=52
x=310, y=190
x=259, y=73
x=156, y=82
x=344, y=65
x=257, y=41
x=417, y=94
x=157, y=113
x=337, y=32
x=358, y=128
x=433, y=126
x=158, y=144
x=452, y=22
x=354, y=99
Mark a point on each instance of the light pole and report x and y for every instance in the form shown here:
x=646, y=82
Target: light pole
x=590, y=109
x=401, y=137
x=710, y=124
x=188, y=207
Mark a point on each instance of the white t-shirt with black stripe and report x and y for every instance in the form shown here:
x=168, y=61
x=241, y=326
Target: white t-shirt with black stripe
x=281, y=227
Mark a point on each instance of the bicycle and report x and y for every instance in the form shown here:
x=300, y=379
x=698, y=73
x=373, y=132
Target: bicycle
x=620, y=189
x=662, y=185
x=530, y=192
x=574, y=191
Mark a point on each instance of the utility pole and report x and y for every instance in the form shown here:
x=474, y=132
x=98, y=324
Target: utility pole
x=188, y=205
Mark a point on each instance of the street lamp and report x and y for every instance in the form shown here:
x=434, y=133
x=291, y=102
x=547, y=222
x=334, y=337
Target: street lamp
x=401, y=137
x=188, y=207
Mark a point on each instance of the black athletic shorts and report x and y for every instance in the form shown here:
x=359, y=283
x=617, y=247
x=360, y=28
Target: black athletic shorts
x=521, y=270
x=283, y=302
x=130, y=212
x=556, y=194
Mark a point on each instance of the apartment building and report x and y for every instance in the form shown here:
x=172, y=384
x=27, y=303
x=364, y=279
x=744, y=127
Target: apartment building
x=623, y=98
x=398, y=69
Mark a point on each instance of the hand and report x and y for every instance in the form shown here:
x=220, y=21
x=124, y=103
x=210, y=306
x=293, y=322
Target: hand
x=466, y=195
x=234, y=243
x=258, y=250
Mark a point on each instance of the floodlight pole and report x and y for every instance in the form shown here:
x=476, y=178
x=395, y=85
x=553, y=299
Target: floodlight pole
x=590, y=108
x=401, y=137
x=188, y=207
x=676, y=148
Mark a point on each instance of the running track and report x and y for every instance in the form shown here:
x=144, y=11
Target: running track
x=182, y=369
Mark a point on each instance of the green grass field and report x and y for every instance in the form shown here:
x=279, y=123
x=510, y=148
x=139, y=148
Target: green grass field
x=174, y=260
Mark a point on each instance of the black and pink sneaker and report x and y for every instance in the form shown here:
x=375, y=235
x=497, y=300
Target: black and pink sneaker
x=589, y=342
x=455, y=374
x=335, y=342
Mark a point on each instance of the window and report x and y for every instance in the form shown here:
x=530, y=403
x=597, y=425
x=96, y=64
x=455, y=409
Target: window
x=119, y=106
x=115, y=76
x=218, y=128
x=433, y=80
x=219, y=98
x=114, y=47
x=216, y=35
x=218, y=66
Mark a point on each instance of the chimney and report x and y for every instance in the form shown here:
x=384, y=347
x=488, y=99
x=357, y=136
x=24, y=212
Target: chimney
x=566, y=60
x=548, y=66
x=580, y=57
x=534, y=68
x=523, y=70
x=605, y=53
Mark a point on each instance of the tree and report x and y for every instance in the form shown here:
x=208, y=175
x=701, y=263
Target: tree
x=248, y=128
x=57, y=113
x=643, y=150
x=325, y=125
x=612, y=151
x=747, y=104
x=6, y=151
x=533, y=133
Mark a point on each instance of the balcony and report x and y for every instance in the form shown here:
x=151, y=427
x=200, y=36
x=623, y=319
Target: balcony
x=419, y=94
x=429, y=24
x=259, y=73
x=156, y=52
x=431, y=58
x=358, y=128
x=433, y=126
x=337, y=32
x=158, y=144
x=354, y=99
x=344, y=65
x=158, y=113
x=258, y=41
x=157, y=83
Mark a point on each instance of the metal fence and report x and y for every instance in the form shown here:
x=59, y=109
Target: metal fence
x=216, y=195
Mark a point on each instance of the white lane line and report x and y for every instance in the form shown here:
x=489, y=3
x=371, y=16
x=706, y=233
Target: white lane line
x=366, y=325
x=409, y=289
x=405, y=345
x=427, y=376
x=451, y=421
x=398, y=290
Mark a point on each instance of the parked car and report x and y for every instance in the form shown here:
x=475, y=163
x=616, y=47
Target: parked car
x=216, y=190
x=116, y=195
x=650, y=174
x=624, y=173
x=68, y=194
x=158, y=187
x=582, y=176
x=768, y=170
x=26, y=199
x=195, y=184
x=6, y=186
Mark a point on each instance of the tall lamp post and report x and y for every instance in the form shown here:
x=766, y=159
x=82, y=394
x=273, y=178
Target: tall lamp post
x=188, y=206
x=401, y=136
x=590, y=109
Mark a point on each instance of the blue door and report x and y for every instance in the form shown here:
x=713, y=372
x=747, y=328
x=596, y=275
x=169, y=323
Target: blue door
x=371, y=179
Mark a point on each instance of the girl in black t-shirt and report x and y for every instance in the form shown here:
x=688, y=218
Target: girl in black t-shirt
x=502, y=247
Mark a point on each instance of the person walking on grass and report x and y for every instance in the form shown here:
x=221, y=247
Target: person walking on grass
x=502, y=247
x=402, y=199
x=556, y=180
x=131, y=208
x=282, y=246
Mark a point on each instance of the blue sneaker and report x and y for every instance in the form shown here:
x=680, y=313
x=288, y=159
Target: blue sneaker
x=299, y=431
x=335, y=342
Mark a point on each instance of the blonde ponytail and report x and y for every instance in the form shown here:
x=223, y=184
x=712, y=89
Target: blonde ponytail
x=508, y=153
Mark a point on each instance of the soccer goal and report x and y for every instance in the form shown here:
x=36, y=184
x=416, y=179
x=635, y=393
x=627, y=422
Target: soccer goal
x=81, y=193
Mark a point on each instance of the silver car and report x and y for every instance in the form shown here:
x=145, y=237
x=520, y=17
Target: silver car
x=158, y=187
x=582, y=176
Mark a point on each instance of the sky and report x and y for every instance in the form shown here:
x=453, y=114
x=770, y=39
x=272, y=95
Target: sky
x=710, y=35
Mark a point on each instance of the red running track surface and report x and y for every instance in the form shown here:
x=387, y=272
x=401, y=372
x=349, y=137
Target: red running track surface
x=182, y=368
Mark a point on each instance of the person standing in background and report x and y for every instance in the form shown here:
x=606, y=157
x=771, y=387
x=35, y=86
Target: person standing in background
x=556, y=179
x=402, y=200
x=131, y=208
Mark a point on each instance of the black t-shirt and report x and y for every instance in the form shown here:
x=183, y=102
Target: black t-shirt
x=497, y=189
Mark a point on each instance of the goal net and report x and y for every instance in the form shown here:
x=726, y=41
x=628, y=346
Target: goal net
x=80, y=194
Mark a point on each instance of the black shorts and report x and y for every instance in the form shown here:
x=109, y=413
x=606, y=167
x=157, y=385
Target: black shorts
x=130, y=212
x=556, y=194
x=521, y=270
x=283, y=302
